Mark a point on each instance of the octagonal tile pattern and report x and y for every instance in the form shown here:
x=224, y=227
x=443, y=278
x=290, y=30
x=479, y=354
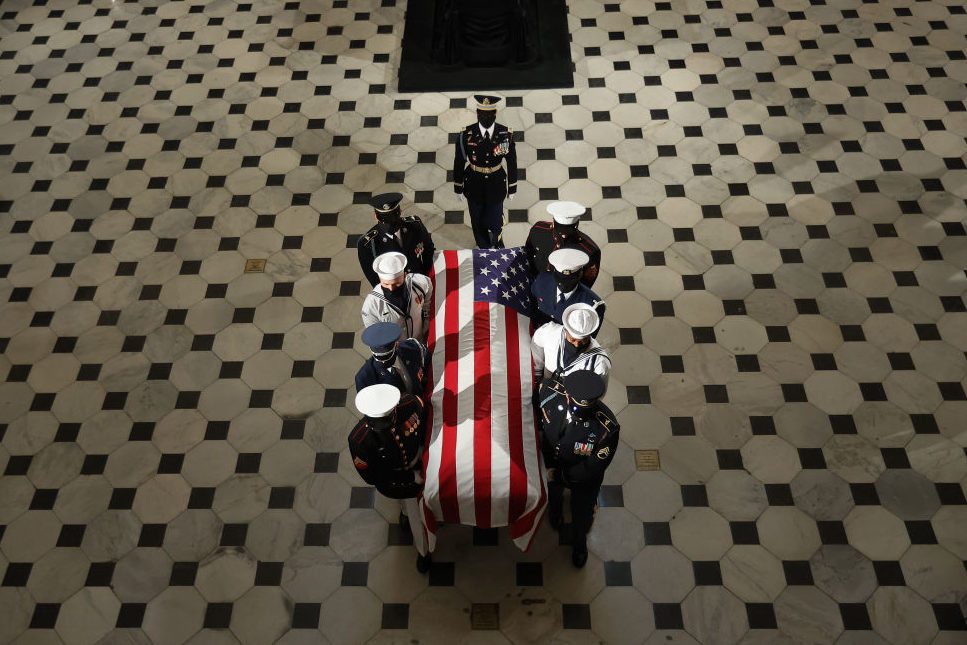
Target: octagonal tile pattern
x=779, y=192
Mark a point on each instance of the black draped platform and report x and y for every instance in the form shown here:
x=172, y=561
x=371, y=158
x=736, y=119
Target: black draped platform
x=470, y=45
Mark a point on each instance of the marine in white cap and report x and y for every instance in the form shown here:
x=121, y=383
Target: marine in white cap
x=400, y=297
x=554, y=291
x=480, y=154
x=560, y=232
x=559, y=349
x=386, y=446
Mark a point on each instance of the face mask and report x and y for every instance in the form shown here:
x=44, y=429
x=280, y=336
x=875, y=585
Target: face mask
x=387, y=359
x=389, y=224
x=486, y=119
x=582, y=412
x=567, y=283
x=565, y=230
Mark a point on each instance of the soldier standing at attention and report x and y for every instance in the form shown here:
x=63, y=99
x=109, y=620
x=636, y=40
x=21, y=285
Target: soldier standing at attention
x=406, y=235
x=401, y=363
x=386, y=446
x=579, y=436
x=561, y=233
x=400, y=297
x=479, y=176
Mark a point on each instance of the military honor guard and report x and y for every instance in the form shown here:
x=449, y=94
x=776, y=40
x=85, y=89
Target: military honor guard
x=386, y=446
x=561, y=233
x=392, y=232
x=478, y=172
x=560, y=349
x=555, y=290
x=400, y=363
x=400, y=297
x=579, y=437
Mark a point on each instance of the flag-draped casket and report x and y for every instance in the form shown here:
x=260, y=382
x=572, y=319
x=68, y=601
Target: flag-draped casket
x=482, y=462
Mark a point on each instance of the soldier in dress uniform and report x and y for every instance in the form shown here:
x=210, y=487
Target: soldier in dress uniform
x=392, y=232
x=401, y=363
x=555, y=290
x=559, y=350
x=579, y=437
x=386, y=446
x=400, y=297
x=479, y=176
x=561, y=233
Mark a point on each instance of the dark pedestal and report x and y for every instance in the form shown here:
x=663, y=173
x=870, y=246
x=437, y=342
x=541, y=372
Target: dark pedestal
x=460, y=45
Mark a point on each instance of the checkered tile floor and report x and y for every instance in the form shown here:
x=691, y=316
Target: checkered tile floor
x=779, y=189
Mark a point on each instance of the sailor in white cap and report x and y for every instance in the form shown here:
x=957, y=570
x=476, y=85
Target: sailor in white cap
x=559, y=349
x=386, y=446
x=555, y=290
x=561, y=233
x=478, y=171
x=400, y=297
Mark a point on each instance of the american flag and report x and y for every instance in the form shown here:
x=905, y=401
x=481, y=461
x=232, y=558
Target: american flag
x=482, y=460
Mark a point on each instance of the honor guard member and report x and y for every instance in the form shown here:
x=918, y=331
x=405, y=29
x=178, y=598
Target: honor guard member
x=479, y=176
x=578, y=440
x=559, y=350
x=562, y=233
x=401, y=363
x=392, y=232
x=400, y=297
x=555, y=290
x=386, y=446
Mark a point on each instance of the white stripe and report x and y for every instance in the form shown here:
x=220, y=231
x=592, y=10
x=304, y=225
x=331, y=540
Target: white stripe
x=465, y=384
x=500, y=437
x=431, y=489
x=532, y=463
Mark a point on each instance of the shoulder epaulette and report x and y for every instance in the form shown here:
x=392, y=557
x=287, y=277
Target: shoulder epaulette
x=366, y=238
x=607, y=421
x=412, y=218
x=542, y=225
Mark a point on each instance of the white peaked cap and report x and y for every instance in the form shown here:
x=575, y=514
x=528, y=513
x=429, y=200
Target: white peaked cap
x=565, y=212
x=568, y=260
x=377, y=401
x=389, y=265
x=580, y=320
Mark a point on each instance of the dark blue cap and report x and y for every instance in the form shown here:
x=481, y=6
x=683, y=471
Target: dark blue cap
x=382, y=336
x=584, y=386
x=386, y=203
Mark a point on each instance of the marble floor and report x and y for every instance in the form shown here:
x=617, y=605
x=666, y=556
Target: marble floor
x=779, y=189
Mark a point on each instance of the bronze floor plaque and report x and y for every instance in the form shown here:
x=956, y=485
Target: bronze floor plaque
x=647, y=460
x=485, y=616
x=254, y=266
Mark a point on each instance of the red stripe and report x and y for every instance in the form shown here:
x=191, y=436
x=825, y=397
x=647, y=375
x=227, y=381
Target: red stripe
x=482, y=413
x=451, y=347
x=518, y=469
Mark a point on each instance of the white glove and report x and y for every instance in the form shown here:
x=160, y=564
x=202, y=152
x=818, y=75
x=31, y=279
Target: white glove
x=511, y=196
x=461, y=197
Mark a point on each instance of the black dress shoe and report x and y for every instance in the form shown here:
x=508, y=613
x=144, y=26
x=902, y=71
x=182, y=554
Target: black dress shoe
x=423, y=562
x=579, y=556
x=404, y=522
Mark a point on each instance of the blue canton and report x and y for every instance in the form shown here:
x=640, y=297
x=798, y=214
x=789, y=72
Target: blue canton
x=500, y=276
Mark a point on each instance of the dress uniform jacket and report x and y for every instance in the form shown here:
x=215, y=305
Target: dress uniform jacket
x=390, y=459
x=477, y=170
x=407, y=373
x=554, y=356
x=544, y=304
x=414, y=318
x=581, y=450
x=542, y=241
x=412, y=240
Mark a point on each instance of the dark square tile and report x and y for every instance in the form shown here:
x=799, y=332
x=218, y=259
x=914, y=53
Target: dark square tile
x=395, y=616
x=668, y=615
x=282, y=497
x=888, y=573
x=268, y=574
x=233, y=535
x=183, y=574
x=950, y=617
x=441, y=574
x=305, y=615
x=707, y=572
x=362, y=497
x=744, y=532
x=797, y=572
x=694, y=495
x=611, y=496
x=921, y=532
x=130, y=615
x=617, y=574
x=761, y=615
x=832, y=532
x=218, y=615
x=657, y=533
x=576, y=616
x=530, y=574
x=855, y=615
x=317, y=535
x=45, y=615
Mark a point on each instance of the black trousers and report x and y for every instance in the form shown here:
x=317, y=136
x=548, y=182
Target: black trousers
x=486, y=221
x=583, y=499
